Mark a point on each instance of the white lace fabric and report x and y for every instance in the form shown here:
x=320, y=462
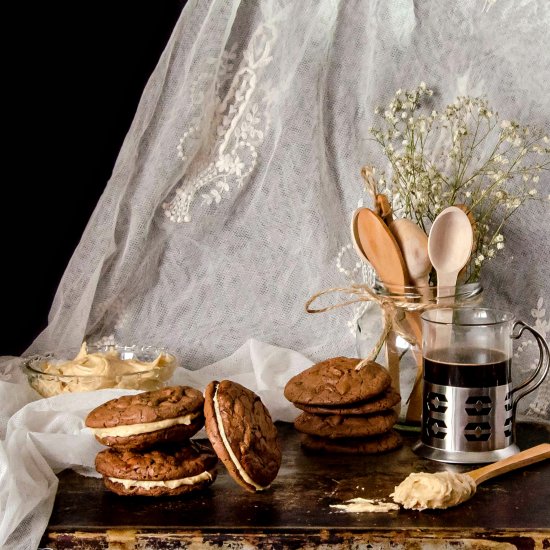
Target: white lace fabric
x=230, y=201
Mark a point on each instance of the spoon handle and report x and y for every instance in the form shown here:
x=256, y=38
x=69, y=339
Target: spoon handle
x=446, y=283
x=529, y=456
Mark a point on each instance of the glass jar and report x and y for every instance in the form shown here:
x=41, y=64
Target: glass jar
x=401, y=352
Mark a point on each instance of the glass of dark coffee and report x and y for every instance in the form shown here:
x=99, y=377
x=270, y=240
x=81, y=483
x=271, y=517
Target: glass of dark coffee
x=469, y=398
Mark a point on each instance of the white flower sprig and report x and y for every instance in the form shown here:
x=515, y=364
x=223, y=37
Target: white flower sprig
x=461, y=155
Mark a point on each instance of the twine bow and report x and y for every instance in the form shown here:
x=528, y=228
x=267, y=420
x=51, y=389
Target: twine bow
x=393, y=313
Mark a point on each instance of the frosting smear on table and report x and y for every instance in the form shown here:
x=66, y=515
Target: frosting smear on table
x=365, y=505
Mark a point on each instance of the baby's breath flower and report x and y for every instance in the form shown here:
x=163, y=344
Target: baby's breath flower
x=437, y=159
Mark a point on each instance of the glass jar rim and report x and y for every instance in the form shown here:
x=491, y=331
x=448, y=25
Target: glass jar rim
x=440, y=316
x=469, y=290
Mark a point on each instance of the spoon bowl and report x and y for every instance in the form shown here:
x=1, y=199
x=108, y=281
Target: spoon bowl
x=450, y=245
x=375, y=243
x=413, y=243
x=355, y=236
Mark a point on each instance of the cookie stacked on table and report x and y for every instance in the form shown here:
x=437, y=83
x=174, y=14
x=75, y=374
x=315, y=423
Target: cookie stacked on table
x=150, y=452
x=345, y=409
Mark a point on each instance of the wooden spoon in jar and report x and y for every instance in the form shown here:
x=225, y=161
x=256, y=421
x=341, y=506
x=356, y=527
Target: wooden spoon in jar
x=413, y=243
x=449, y=247
x=374, y=242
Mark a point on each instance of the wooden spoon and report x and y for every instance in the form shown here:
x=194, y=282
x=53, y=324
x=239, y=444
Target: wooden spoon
x=376, y=243
x=413, y=243
x=449, y=247
x=519, y=460
x=419, y=497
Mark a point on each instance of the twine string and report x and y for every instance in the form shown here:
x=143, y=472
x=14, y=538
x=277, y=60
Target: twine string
x=392, y=313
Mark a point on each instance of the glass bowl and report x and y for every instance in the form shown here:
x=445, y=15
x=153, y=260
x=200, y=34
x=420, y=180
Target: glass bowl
x=110, y=366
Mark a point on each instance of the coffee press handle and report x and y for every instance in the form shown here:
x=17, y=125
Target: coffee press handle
x=543, y=364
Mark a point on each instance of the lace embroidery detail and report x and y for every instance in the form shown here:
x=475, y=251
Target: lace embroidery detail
x=240, y=122
x=356, y=272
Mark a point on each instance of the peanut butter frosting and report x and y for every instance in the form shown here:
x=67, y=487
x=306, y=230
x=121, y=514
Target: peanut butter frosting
x=420, y=491
x=102, y=369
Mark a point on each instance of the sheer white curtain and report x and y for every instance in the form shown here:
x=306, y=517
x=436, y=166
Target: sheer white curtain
x=230, y=200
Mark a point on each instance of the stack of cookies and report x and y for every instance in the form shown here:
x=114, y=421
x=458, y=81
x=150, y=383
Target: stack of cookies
x=150, y=453
x=345, y=410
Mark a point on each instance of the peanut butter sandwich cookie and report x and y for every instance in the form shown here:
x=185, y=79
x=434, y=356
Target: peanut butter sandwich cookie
x=382, y=443
x=143, y=420
x=242, y=434
x=339, y=426
x=168, y=470
x=336, y=382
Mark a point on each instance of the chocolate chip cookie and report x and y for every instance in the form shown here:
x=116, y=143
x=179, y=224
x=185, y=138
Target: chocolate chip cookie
x=336, y=382
x=383, y=443
x=339, y=426
x=242, y=434
x=146, y=419
x=168, y=470
x=381, y=402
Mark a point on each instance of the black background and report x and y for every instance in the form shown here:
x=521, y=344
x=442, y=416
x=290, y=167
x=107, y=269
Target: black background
x=72, y=80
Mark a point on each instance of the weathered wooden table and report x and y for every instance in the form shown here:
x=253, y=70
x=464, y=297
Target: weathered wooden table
x=512, y=511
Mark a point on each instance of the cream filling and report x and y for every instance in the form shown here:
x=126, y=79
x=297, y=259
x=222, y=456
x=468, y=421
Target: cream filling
x=146, y=427
x=169, y=484
x=440, y=490
x=234, y=459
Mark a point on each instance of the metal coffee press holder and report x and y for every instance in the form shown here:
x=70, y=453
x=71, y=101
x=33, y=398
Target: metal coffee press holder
x=469, y=425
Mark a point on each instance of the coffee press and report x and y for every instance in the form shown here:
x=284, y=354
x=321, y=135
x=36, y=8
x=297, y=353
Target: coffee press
x=469, y=398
